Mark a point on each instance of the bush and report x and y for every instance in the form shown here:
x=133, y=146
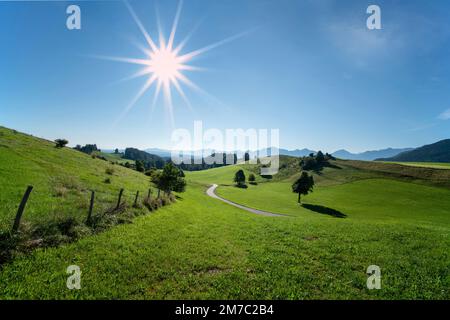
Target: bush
x=109, y=171
x=61, y=143
x=149, y=172
x=140, y=166
x=156, y=203
x=107, y=180
x=239, y=178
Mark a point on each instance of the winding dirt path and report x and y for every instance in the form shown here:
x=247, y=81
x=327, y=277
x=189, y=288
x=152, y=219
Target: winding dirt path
x=211, y=192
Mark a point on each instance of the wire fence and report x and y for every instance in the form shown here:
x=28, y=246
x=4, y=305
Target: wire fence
x=107, y=203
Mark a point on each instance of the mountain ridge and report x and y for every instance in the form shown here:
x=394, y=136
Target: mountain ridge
x=434, y=152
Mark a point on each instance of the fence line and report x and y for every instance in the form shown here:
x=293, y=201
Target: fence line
x=23, y=202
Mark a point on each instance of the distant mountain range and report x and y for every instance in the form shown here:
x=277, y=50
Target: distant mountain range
x=285, y=152
x=369, y=155
x=163, y=153
x=436, y=152
x=294, y=153
x=342, y=154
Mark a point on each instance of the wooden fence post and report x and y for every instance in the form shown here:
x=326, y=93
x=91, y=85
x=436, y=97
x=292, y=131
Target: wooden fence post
x=91, y=206
x=120, y=198
x=136, y=199
x=21, y=209
x=149, y=193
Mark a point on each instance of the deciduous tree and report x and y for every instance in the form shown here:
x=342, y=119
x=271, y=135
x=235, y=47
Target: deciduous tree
x=303, y=185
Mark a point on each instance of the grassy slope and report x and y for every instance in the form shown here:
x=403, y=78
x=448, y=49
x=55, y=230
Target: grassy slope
x=435, y=165
x=203, y=248
x=62, y=180
x=115, y=157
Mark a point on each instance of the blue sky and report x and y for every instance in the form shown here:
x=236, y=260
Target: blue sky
x=308, y=68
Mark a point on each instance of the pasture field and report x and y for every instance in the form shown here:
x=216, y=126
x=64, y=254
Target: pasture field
x=435, y=165
x=117, y=158
x=202, y=248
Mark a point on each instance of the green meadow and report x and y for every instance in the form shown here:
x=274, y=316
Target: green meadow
x=360, y=214
x=62, y=180
x=436, y=165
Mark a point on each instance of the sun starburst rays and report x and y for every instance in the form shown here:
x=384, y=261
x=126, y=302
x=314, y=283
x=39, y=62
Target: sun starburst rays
x=164, y=65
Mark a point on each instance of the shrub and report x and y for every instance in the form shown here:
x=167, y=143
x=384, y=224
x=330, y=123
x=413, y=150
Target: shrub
x=109, y=171
x=107, y=180
x=150, y=172
x=140, y=166
x=239, y=178
x=61, y=143
x=153, y=204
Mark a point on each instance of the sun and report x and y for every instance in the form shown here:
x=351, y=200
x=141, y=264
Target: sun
x=163, y=64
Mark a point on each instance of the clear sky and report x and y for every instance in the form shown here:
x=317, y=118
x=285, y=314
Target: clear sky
x=309, y=68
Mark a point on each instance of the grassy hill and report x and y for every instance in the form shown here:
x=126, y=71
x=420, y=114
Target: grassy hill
x=202, y=248
x=435, y=165
x=62, y=179
x=436, y=152
x=117, y=158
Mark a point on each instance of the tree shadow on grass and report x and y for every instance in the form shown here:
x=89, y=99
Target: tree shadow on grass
x=324, y=210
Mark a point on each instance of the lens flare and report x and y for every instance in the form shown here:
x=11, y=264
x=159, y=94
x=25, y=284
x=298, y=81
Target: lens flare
x=164, y=65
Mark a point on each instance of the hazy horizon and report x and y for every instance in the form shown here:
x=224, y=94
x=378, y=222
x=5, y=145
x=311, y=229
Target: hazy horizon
x=332, y=84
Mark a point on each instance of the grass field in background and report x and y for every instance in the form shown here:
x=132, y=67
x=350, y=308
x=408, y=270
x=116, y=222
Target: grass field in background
x=435, y=165
x=382, y=200
x=117, y=158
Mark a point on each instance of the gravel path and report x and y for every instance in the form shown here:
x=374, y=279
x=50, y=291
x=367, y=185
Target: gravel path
x=211, y=192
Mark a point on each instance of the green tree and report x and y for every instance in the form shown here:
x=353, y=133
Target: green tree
x=320, y=158
x=140, y=166
x=150, y=172
x=61, y=143
x=308, y=163
x=169, y=179
x=239, y=178
x=303, y=185
x=116, y=151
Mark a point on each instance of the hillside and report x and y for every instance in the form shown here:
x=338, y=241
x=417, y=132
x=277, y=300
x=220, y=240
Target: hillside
x=360, y=213
x=62, y=180
x=150, y=160
x=436, y=152
x=342, y=171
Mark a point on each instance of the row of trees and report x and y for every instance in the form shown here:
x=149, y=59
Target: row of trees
x=88, y=149
x=315, y=161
